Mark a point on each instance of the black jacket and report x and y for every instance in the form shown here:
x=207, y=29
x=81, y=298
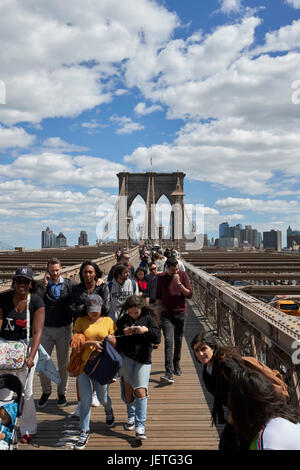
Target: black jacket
x=58, y=312
x=138, y=347
x=80, y=294
x=218, y=385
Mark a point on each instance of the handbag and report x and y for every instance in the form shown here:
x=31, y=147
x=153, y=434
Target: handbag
x=13, y=354
x=104, y=366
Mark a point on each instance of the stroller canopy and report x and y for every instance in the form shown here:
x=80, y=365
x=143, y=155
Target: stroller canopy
x=12, y=383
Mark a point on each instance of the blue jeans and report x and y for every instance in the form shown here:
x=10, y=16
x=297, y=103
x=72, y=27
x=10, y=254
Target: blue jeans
x=137, y=375
x=86, y=391
x=173, y=329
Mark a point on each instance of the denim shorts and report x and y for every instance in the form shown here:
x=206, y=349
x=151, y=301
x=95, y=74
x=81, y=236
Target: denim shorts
x=135, y=373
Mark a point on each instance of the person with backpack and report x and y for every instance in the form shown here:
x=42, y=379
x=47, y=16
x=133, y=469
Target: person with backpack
x=137, y=330
x=91, y=282
x=94, y=326
x=260, y=414
x=120, y=288
x=219, y=362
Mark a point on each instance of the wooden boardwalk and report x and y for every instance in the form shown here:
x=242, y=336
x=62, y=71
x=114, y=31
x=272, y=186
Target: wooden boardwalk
x=178, y=414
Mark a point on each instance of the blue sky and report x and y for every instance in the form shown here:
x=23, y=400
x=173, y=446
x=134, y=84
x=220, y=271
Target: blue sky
x=210, y=88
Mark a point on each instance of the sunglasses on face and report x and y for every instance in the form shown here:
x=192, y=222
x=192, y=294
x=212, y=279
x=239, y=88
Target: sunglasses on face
x=152, y=269
x=22, y=281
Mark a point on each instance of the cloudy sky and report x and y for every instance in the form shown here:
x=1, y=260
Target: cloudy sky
x=207, y=87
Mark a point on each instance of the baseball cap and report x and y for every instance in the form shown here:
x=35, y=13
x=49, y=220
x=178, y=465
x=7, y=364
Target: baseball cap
x=94, y=303
x=24, y=271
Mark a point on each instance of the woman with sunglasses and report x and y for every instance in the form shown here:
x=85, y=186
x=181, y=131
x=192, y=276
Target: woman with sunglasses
x=137, y=330
x=13, y=326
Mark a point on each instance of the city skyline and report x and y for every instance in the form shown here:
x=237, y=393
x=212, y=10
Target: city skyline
x=211, y=89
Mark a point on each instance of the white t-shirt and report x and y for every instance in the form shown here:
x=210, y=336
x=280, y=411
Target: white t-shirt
x=281, y=434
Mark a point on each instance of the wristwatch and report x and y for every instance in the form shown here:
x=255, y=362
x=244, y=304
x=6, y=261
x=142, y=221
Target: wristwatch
x=180, y=284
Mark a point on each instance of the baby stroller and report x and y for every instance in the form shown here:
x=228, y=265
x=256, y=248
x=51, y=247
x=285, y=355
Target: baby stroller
x=14, y=406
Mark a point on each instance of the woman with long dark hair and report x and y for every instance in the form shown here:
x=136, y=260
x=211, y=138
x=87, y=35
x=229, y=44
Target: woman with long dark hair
x=90, y=283
x=13, y=327
x=214, y=357
x=260, y=414
x=142, y=282
x=137, y=330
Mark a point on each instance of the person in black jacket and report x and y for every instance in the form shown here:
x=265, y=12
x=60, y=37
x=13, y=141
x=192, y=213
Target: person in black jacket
x=219, y=363
x=90, y=283
x=56, y=294
x=137, y=330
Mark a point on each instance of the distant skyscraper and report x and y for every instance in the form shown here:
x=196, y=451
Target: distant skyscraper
x=233, y=232
x=61, y=240
x=83, y=238
x=222, y=227
x=250, y=235
x=272, y=239
x=48, y=238
x=292, y=236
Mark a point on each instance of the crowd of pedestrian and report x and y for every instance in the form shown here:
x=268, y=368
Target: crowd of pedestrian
x=130, y=310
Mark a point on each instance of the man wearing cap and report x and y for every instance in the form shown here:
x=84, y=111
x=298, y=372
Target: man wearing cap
x=56, y=293
x=16, y=325
x=173, y=287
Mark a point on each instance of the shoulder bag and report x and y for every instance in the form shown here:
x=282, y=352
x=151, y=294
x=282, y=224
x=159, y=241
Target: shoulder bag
x=13, y=354
x=104, y=365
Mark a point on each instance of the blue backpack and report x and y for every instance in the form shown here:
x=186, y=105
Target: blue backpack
x=104, y=366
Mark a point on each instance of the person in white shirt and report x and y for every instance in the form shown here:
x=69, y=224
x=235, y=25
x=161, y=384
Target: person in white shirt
x=260, y=414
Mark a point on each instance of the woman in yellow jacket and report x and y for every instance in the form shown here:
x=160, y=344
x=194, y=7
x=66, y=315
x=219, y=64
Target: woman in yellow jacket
x=95, y=327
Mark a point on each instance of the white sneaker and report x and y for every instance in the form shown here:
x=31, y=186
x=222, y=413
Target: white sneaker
x=82, y=441
x=95, y=401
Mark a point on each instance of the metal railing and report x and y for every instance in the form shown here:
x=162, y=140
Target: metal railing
x=256, y=328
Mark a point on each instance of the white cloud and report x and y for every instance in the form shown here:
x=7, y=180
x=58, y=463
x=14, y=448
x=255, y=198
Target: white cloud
x=126, y=125
x=287, y=38
x=143, y=110
x=14, y=137
x=293, y=3
x=59, y=169
x=58, y=145
x=229, y=153
x=229, y=6
x=275, y=206
x=65, y=60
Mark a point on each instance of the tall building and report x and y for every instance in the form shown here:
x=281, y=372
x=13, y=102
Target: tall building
x=222, y=227
x=83, y=238
x=233, y=232
x=272, y=239
x=228, y=242
x=250, y=235
x=48, y=238
x=61, y=241
x=292, y=236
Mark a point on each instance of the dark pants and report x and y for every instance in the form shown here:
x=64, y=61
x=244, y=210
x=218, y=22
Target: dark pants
x=173, y=329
